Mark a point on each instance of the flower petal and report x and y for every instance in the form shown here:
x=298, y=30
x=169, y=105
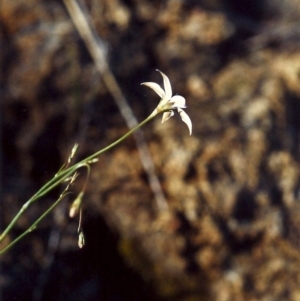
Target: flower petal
x=167, y=85
x=156, y=88
x=178, y=101
x=167, y=115
x=186, y=119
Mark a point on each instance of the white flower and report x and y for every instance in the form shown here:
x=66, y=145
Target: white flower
x=168, y=102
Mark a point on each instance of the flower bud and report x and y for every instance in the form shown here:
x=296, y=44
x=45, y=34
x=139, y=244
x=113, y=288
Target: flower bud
x=81, y=240
x=76, y=205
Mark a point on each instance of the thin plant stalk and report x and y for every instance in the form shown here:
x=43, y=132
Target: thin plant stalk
x=35, y=224
x=59, y=178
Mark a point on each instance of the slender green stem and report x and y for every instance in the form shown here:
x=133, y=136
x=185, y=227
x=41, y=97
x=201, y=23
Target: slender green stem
x=33, y=226
x=95, y=155
x=45, y=189
x=61, y=176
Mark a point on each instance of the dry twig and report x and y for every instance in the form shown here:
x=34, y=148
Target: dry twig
x=93, y=44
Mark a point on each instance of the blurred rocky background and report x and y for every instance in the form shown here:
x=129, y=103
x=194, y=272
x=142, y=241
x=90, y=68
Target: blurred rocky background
x=232, y=227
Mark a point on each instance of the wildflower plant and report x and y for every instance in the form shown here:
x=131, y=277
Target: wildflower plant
x=69, y=172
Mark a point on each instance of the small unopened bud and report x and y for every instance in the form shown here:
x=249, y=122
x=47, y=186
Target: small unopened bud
x=95, y=160
x=68, y=179
x=81, y=240
x=76, y=205
x=73, y=151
